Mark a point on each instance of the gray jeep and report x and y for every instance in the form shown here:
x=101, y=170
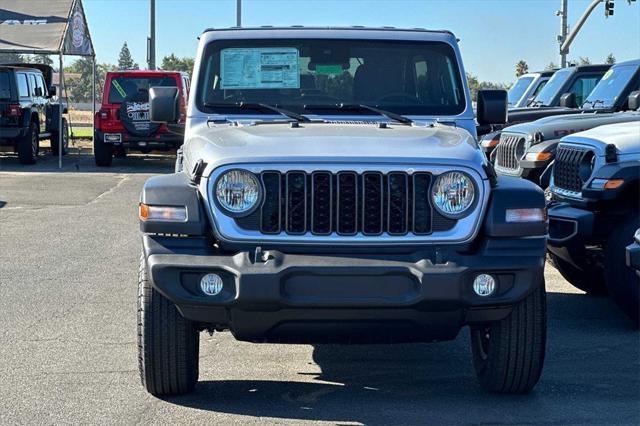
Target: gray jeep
x=331, y=189
x=595, y=184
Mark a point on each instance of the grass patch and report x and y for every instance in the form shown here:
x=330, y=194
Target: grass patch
x=81, y=132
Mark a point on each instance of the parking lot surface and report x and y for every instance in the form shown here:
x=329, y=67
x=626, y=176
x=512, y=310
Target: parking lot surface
x=69, y=249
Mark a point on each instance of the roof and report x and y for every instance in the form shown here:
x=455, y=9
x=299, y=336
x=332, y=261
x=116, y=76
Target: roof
x=44, y=27
x=147, y=72
x=591, y=67
x=353, y=32
x=635, y=62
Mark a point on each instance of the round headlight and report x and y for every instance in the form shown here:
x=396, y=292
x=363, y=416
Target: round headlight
x=453, y=194
x=238, y=192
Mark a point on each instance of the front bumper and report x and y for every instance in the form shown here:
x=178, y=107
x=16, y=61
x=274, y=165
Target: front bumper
x=570, y=231
x=276, y=296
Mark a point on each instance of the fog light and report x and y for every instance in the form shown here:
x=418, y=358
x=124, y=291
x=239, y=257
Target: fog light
x=211, y=284
x=484, y=285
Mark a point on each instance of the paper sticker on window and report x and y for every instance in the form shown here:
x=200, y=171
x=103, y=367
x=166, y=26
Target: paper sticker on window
x=260, y=68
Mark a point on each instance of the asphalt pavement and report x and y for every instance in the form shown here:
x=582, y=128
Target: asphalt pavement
x=69, y=248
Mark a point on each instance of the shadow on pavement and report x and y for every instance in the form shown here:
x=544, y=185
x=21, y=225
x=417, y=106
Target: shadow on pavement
x=591, y=365
x=84, y=163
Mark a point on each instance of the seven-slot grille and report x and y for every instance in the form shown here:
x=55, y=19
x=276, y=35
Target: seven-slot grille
x=569, y=161
x=347, y=203
x=509, y=151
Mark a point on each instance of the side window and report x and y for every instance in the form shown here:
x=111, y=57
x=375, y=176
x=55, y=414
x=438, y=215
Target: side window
x=23, y=85
x=41, y=84
x=32, y=85
x=539, y=88
x=583, y=86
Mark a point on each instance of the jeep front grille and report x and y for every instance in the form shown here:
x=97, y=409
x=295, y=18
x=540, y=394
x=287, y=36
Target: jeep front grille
x=510, y=151
x=346, y=203
x=572, y=168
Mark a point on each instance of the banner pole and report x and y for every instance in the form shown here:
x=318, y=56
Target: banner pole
x=60, y=126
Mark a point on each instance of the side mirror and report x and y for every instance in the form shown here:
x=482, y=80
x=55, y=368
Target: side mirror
x=568, y=100
x=492, y=107
x=633, y=102
x=52, y=91
x=163, y=104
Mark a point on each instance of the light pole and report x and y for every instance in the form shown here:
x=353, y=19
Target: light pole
x=238, y=13
x=563, y=31
x=151, y=41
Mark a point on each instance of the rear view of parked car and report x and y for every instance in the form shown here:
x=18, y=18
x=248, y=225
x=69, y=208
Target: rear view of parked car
x=123, y=124
x=29, y=111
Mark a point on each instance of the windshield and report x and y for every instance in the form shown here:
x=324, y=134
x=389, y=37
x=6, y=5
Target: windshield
x=420, y=78
x=126, y=86
x=611, y=87
x=553, y=87
x=5, y=86
x=518, y=89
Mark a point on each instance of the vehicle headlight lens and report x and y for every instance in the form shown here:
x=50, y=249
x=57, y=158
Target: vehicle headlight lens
x=238, y=191
x=453, y=194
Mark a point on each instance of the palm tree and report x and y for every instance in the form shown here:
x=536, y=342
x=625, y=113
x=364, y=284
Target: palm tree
x=521, y=68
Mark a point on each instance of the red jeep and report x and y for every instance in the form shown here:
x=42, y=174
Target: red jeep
x=123, y=124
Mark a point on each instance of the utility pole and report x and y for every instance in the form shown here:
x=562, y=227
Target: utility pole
x=238, y=13
x=151, y=40
x=564, y=29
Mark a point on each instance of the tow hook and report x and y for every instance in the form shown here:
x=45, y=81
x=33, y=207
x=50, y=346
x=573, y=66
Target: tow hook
x=260, y=256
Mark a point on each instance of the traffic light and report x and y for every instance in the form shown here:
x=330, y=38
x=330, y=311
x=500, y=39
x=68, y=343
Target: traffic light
x=608, y=8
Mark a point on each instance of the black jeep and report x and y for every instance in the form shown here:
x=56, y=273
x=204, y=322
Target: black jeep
x=30, y=110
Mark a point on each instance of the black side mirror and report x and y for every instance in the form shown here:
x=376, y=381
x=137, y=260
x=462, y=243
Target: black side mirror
x=568, y=100
x=38, y=91
x=492, y=107
x=163, y=104
x=633, y=102
x=52, y=91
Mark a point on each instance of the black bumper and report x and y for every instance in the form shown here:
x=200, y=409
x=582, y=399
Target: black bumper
x=421, y=296
x=570, y=231
x=10, y=134
x=633, y=256
x=158, y=141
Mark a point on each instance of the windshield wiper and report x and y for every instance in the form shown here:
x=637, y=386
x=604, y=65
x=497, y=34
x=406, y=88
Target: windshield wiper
x=258, y=106
x=341, y=107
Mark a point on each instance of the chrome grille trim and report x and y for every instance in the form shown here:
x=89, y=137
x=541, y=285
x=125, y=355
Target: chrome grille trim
x=509, y=152
x=227, y=230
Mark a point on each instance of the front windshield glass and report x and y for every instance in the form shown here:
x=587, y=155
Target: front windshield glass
x=315, y=76
x=5, y=86
x=553, y=87
x=518, y=89
x=610, y=87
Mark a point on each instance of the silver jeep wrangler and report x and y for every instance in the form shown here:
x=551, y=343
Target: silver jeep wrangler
x=331, y=189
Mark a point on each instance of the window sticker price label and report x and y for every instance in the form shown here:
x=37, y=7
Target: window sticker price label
x=260, y=68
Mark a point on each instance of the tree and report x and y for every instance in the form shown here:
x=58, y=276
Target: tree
x=521, y=68
x=610, y=59
x=174, y=63
x=11, y=58
x=475, y=85
x=80, y=89
x=41, y=59
x=125, y=60
x=552, y=66
x=584, y=60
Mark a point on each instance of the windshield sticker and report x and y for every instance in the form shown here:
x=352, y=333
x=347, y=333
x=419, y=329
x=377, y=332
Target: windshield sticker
x=119, y=88
x=329, y=69
x=260, y=68
x=607, y=74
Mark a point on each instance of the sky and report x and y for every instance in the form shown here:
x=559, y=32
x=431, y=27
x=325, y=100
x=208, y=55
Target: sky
x=494, y=34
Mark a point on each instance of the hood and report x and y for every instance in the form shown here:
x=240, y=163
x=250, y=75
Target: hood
x=562, y=125
x=625, y=137
x=221, y=144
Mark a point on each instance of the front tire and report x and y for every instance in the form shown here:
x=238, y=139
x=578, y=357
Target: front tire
x=508, y=355
x=623, y=283
x=29, y=145
x=168, y=344
x=589, y=279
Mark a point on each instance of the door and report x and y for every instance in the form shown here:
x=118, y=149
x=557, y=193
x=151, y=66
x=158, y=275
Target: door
x=36, y=91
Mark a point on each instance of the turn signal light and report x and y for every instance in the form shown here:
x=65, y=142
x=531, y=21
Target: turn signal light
x=538, y=156
x=162, y=213
x=606, y=183
x=14, y=110
x=526, y=215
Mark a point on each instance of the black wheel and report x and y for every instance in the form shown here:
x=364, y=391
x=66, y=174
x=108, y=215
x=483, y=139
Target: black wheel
x=589, y=279
x=508, y=355
x=168, y=344
x=622, y=282
x=29, y=145
x=55, y=137
x=102, y=152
